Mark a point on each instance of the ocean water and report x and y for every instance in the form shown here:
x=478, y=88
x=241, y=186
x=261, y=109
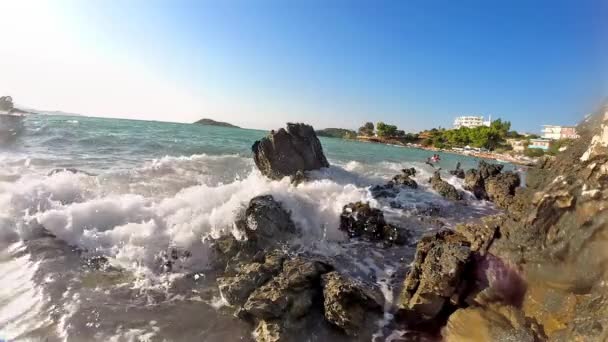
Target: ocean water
x=146, y=188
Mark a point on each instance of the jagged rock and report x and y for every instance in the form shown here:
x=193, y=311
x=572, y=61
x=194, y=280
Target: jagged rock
x=266, y=222
x=269, y=331
x=444, y=188
x=500, y=188
x=494, y=322
x=6, y=103
x=458, y=172
x=349, y=305
x=436, y=277
x=487, y=170
x=288, y=151
x=290, y=294
x=360, y=220
x=237, y=289
x=480, y=236
x=392, y=188
x=475, y=183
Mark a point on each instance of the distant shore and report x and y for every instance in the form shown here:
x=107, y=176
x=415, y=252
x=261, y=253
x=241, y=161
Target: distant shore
x=501, y=157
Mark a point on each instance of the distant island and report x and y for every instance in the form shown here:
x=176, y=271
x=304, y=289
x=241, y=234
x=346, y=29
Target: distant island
x=210, y=122
x=341, y=133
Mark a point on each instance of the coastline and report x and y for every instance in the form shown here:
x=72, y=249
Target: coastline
x=500, y=157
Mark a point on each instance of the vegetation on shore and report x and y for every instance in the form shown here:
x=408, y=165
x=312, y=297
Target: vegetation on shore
x=210, y=122
x=341, y=133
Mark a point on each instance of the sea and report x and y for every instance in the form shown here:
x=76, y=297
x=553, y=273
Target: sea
x=75, y=190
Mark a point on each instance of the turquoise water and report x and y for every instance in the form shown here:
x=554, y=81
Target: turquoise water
x=148, y=188
x=101, y=144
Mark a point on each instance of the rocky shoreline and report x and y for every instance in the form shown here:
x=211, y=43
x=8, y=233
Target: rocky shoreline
x=499, y=275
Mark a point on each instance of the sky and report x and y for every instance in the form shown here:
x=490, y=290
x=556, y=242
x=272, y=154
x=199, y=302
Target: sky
x=332, y=63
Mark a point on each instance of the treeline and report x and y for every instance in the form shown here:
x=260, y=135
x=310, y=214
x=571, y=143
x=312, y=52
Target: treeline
x=490, y=138
x=337, y=133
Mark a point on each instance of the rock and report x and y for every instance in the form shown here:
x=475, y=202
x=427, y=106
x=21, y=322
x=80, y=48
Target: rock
x=266, y=222
x=487, y=170
x=500, y=188
x=288, y=151
x=475, y=183
x=70, y=170
x=269, y=332
x=349, y=305
x=392, y=188
x=237, y=289
x=360, y=220
x=458, y=172
x=492, y=323
x=444, y=188
x=290, y=294
x=435, y=279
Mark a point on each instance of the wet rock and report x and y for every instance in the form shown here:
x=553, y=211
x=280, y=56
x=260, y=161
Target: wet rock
x=290, y=294
x=269, y=331
x=500, y=188
x=288, y=151
x=458, y=172
x=435, y=279
x=392, y=188
x=360, y=220
x=494, y=322
x=237, y=289
x=487, y=170
x=475, y=183
x=266, y=222
x=70, y=170
x=444, y=188
x=350, y=305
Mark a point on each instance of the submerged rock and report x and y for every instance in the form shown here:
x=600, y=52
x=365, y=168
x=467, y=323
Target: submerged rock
x=435, y=279
x=288, y=151
x=404, y=179
x=360, y=220
x=444, y=188
x=351, y=306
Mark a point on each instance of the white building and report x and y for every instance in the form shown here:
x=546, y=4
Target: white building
x=553, y=132
x=471, y=121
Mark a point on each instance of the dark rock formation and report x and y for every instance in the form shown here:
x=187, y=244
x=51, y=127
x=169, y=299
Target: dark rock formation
x=392, y=188
x=458, y=172
x=488, y=183
x=436, y=277
x=350, y=305
x=288, y=151
x=266, y=222
x=500, y=188
x=444, y=188
x=360, y=220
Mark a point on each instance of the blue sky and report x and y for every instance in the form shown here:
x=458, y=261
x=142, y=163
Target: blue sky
x=417, y=64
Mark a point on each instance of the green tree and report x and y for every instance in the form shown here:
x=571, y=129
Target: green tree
x=384, y=130
x=534, y=152
x=367, y=129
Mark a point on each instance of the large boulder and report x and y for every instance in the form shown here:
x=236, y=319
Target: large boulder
x=444, y=188
x=287, y=151
x=436, y=279
x=350, y=305
x=359, y=219
x=475, y=183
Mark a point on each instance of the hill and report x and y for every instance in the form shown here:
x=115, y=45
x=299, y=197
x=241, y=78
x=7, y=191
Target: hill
x=337, y=133
x=210, y=122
